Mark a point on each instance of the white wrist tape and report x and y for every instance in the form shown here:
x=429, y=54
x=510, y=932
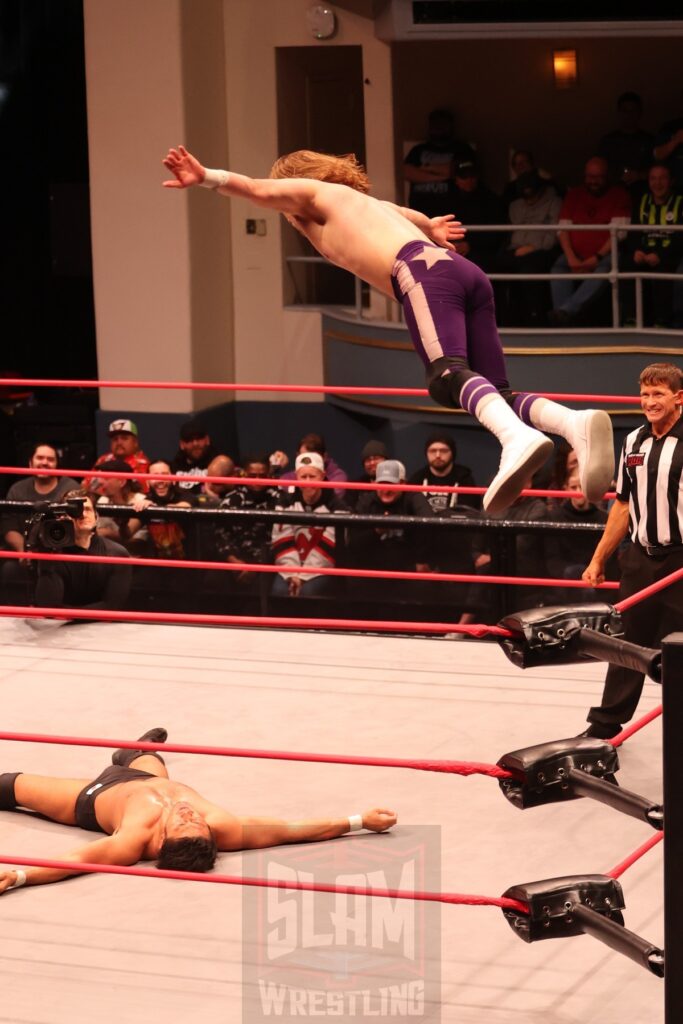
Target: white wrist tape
x=214, y=179
x=21, y=879
x=355, y=822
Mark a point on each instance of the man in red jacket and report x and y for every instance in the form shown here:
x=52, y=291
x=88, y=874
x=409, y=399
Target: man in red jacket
x=586, y=252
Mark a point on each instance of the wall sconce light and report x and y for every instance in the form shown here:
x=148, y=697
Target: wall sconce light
x=564, y=68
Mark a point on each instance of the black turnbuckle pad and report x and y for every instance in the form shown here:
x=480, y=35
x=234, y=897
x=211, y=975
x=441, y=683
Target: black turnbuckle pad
x=542, y=773
x=580, y=905
x=568, y=770
x=550, y=636
x=551, y=902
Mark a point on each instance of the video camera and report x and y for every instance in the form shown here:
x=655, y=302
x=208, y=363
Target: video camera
x=51, y=527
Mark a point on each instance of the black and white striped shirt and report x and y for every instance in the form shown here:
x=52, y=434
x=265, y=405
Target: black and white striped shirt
x=650, y=480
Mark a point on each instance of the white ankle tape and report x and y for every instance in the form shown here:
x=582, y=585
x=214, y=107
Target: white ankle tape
x=21, y=880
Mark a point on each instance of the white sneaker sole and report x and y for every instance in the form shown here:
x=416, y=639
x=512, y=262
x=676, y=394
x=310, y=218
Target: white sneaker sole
x=505, y=487
x=598, y=467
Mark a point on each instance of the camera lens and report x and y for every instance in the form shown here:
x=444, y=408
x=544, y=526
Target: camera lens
x=56, y=532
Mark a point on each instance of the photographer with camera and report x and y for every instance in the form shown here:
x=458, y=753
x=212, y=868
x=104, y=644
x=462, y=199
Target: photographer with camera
x=71, y=528
x=15, y=578
x=34, y=488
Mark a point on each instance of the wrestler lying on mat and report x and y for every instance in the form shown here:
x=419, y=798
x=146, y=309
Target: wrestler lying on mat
x=447, y=301
x=145, y=816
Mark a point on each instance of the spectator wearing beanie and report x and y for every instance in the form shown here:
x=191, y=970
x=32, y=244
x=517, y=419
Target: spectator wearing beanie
x=372, y=453
x=442, y=470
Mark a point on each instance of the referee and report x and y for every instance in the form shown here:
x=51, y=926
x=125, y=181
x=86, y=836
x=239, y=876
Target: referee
x=649, y=508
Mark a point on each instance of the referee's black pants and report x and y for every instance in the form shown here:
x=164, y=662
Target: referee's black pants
x=646, y=623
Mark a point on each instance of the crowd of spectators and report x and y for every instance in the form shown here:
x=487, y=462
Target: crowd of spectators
x=630, y=176
x=120, y=517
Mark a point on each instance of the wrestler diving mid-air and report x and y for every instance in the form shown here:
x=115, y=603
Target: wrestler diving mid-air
x=447, y=301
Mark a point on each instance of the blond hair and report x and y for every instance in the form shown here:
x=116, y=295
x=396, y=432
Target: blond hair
x=339, y=170
x=662, y=373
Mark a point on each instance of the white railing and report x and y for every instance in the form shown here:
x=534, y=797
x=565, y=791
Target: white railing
x=616, y=230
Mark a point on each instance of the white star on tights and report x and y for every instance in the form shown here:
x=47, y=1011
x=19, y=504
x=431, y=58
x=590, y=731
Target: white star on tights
x=431, y=255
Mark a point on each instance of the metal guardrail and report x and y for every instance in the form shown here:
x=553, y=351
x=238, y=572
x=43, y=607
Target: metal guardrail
x=613, y=276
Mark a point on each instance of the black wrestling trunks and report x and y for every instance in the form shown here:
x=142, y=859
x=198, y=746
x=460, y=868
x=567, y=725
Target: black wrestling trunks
x=112, y=776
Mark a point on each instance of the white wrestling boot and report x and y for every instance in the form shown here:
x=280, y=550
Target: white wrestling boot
x=524, y=451
x=589, y=432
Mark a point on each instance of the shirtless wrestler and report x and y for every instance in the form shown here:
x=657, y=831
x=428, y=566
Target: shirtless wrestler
x=447, y=300
x=145, y=816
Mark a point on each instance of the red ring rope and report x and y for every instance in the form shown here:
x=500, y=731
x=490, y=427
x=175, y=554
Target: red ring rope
x=300, y=570
x=464, y=768
x=629, y=602
x=277, y=622
x=291, y=482
x=635, y=856
x=626, y=734
x=319, y=389
x=461, y=899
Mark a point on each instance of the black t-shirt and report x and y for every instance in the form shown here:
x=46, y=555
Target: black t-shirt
x=431, y=197
x=83, y=584
x=396, y=547
x=459, y=476
x=184, y=466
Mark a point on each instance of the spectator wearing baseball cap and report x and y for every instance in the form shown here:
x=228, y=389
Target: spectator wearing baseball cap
x=123, y=444
x=194, y=454
x=309, y=443
x=473, y=203
x=404, y=548
x=302, y=544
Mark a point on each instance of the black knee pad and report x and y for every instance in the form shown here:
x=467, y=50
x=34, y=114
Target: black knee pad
x=7, y=798
x=446, y=378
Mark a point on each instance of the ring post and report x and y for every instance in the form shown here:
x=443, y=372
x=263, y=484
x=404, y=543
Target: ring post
x=672, y=700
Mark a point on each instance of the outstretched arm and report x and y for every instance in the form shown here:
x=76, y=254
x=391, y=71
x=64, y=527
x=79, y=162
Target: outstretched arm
x=256, y=833
x=121, y=848
x=295, y=196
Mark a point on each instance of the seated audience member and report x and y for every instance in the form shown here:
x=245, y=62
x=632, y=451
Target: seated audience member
x=586, y=252
x=403, y=548
x=15, y=575
x=250, y=541
x=194, y=454
x=118, y=492
x=522, y=162
x=567, y=553
x=309, y=443
x=442, y=470
x=34, y=488
x=656, y=250
x=669, y=148
x=474, y=203
x=428, y=166
x=372, y=453
x=124, y=444
x=210, y=495
x=525, y=303
x=82, y=584
x=168, y=537
x=628, y=149
x=202, y=540
x=301, y=545
x=525, y=551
